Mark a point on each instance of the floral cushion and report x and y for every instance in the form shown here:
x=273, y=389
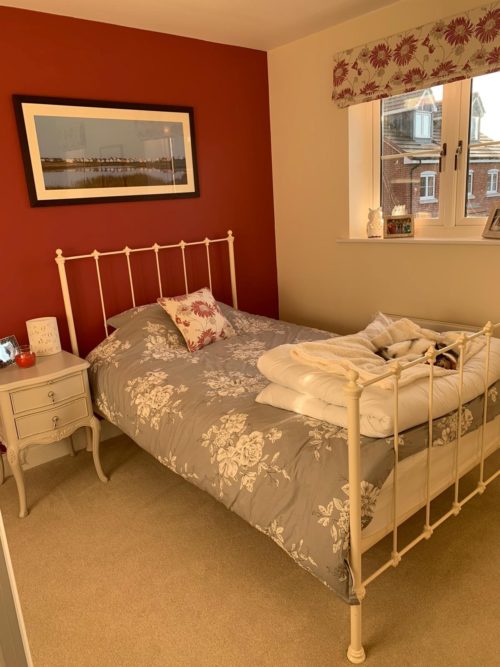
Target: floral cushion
x=198, y=318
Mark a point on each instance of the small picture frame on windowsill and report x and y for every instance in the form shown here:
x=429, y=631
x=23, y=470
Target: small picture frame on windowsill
x=399, y=227
x=9, y=347
x=492, y=228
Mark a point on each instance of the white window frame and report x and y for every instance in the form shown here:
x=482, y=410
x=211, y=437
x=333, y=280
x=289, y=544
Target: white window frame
x=430, y=177
x=493, y=174
x=364, y=168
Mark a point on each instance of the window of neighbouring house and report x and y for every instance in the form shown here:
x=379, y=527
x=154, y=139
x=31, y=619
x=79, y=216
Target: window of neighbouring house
x=470, y=184
x=428, y=186
x=492, y=182
x=422, y=124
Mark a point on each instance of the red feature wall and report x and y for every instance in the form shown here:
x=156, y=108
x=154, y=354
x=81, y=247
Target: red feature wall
x=55, y=56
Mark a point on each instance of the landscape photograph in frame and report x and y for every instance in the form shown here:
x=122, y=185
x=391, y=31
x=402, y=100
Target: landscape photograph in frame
x=84, y=151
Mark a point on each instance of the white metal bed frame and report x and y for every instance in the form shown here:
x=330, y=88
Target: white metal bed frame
x=354, y=390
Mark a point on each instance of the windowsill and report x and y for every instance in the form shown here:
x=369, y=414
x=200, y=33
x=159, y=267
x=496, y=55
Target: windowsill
x=424, y=241
x=431, y=200
x=492, y=194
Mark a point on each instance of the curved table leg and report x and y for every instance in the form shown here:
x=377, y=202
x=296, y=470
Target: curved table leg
x=17, y=471
x=71, y=446
x=89, y=439
x=96, y=431
x=2, y=469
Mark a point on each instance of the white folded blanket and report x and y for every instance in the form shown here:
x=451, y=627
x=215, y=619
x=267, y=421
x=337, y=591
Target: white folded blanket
x=359, y=352
x=309, y=389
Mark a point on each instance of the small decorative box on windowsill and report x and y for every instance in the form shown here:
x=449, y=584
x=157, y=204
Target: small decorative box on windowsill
x=399, y=226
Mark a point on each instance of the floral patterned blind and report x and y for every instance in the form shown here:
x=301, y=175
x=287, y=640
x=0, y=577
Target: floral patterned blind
x=458, y=47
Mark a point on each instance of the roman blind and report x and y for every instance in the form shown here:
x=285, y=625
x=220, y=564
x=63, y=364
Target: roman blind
x=454, y=48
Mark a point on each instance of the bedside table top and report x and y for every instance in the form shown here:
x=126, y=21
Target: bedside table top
x=46, y=368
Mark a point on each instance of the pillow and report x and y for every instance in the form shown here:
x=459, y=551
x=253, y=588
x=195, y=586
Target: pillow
x=120, y=319
x=198, y=318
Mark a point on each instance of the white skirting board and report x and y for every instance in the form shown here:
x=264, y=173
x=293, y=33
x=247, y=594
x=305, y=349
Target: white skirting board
x=38, y=454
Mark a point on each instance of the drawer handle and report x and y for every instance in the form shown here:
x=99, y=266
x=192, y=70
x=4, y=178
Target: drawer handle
x=52, y=396
x=54, y=421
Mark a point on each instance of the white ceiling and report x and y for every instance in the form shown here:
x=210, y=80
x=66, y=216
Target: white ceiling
x=257, y=24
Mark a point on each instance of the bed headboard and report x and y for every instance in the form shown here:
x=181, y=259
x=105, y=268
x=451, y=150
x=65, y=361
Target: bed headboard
x=126, y=252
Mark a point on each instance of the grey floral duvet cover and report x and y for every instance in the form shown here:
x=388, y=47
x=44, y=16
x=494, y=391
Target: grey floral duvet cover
x=284, y=473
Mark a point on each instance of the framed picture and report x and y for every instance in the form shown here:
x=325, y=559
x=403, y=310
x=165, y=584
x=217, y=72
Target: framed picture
x=9, y=347
x=398, y=226
x=492, y=228
x=85, y=151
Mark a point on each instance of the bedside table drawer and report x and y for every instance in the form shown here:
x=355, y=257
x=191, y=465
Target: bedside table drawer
x=47, y=394
x=50, y=420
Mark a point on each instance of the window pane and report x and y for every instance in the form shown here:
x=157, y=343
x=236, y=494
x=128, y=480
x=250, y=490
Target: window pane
x=484, y=156
x=411, y=130
x=412, y=121
x=413, y=183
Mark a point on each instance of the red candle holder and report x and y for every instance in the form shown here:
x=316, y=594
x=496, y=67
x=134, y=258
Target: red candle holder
x=25, y=357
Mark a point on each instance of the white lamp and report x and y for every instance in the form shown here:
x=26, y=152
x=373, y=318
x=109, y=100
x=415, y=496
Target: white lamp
x=43, y=335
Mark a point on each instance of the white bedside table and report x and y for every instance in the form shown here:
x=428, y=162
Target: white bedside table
x=44, y=404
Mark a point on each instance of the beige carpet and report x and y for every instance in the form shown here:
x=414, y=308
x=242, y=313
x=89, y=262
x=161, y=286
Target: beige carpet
x=148, y=570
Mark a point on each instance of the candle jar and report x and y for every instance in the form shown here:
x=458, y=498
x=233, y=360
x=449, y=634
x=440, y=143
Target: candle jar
x=25, y=357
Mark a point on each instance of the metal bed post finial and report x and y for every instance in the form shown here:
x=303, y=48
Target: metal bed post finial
x=126, y=252
x=156, y=249
x=61, y=265
x=182, y=246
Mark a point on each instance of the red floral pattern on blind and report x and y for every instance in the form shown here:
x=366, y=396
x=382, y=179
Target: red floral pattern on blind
x=451, y=49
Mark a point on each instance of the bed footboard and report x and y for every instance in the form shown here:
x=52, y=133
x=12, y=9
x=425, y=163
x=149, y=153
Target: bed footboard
x=353, y=391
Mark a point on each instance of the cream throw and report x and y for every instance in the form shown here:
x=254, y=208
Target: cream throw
x=358, y=352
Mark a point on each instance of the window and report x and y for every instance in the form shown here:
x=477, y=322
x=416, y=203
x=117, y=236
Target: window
x=470, y=183
x=445, y=172
x=428, y=186
x=422, y=125
x=492, y=182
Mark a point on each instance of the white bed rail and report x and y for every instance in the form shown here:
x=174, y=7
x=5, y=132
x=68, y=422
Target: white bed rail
x=354, y=389
x=96, y=255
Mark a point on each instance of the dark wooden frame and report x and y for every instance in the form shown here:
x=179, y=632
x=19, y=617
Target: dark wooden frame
x=35, y=200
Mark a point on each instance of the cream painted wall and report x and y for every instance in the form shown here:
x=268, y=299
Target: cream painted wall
x=339, y=286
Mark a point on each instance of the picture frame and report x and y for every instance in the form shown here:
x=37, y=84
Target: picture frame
x=492, y=227
x=399, y=226
x=89, y=151
x=9, y=348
